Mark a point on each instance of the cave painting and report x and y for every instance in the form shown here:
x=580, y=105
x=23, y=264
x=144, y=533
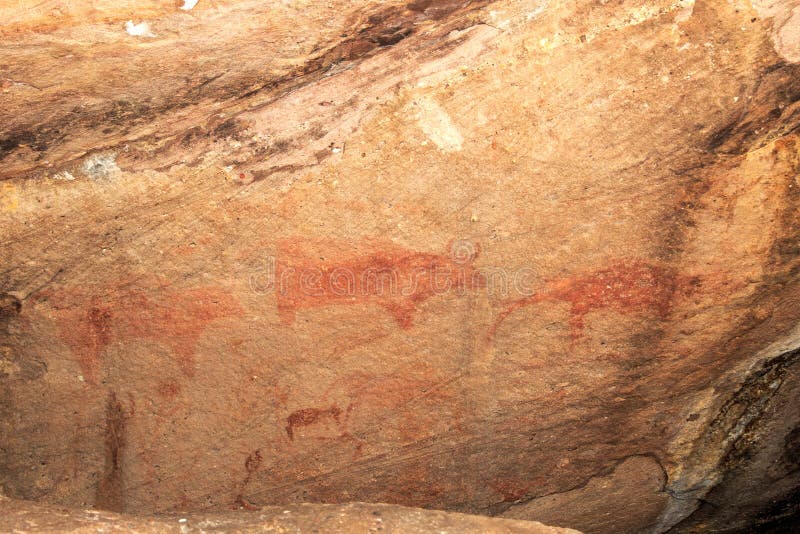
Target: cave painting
x=311, y=274
x=314, y=274
x=624, y=286
x=354, y=404
x=89, y=319
x=311, y=416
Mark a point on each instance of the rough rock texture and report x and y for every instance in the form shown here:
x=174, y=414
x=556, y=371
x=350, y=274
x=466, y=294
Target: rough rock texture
x=27, y=517
x=531, y=259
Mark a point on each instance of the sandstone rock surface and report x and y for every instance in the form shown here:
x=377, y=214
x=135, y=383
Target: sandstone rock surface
x=531, y=259
x=27, y=517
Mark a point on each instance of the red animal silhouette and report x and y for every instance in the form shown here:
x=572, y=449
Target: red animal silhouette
x=316, y=274
x=90, y=319
x=310, y=416
x=624, y=286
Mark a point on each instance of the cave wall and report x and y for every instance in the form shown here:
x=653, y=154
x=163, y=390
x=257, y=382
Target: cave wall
x=536, y=260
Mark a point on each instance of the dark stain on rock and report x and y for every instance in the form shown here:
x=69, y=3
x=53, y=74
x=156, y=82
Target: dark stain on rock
x=369, y=31
x=437, y=9
x=124, y=112
x=770, y=111
x=680, y=218
x=786, y=248
x=21, y=138
x=390, y=25
x=193, y=135
x=791, y=449
x=263, y=174
x=229, y=128
x=10, y=305
x=110, y=490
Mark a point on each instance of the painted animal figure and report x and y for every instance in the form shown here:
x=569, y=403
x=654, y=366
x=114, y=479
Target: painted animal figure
x=313, y=275
x=90, y=319
x=624, y=286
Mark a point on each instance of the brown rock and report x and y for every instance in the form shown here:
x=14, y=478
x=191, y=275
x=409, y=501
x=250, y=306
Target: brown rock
x=518, y=258
x=27, y=517
x=603, y=503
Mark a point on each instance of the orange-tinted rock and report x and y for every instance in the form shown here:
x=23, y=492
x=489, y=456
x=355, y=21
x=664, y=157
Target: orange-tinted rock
x=535, y=259
x=90, y=318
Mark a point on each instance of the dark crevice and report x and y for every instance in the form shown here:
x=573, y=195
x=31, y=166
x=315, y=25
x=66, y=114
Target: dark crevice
x=734, y=432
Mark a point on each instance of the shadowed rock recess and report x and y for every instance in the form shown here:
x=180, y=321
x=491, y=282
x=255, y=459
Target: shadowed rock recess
x=267, y=264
